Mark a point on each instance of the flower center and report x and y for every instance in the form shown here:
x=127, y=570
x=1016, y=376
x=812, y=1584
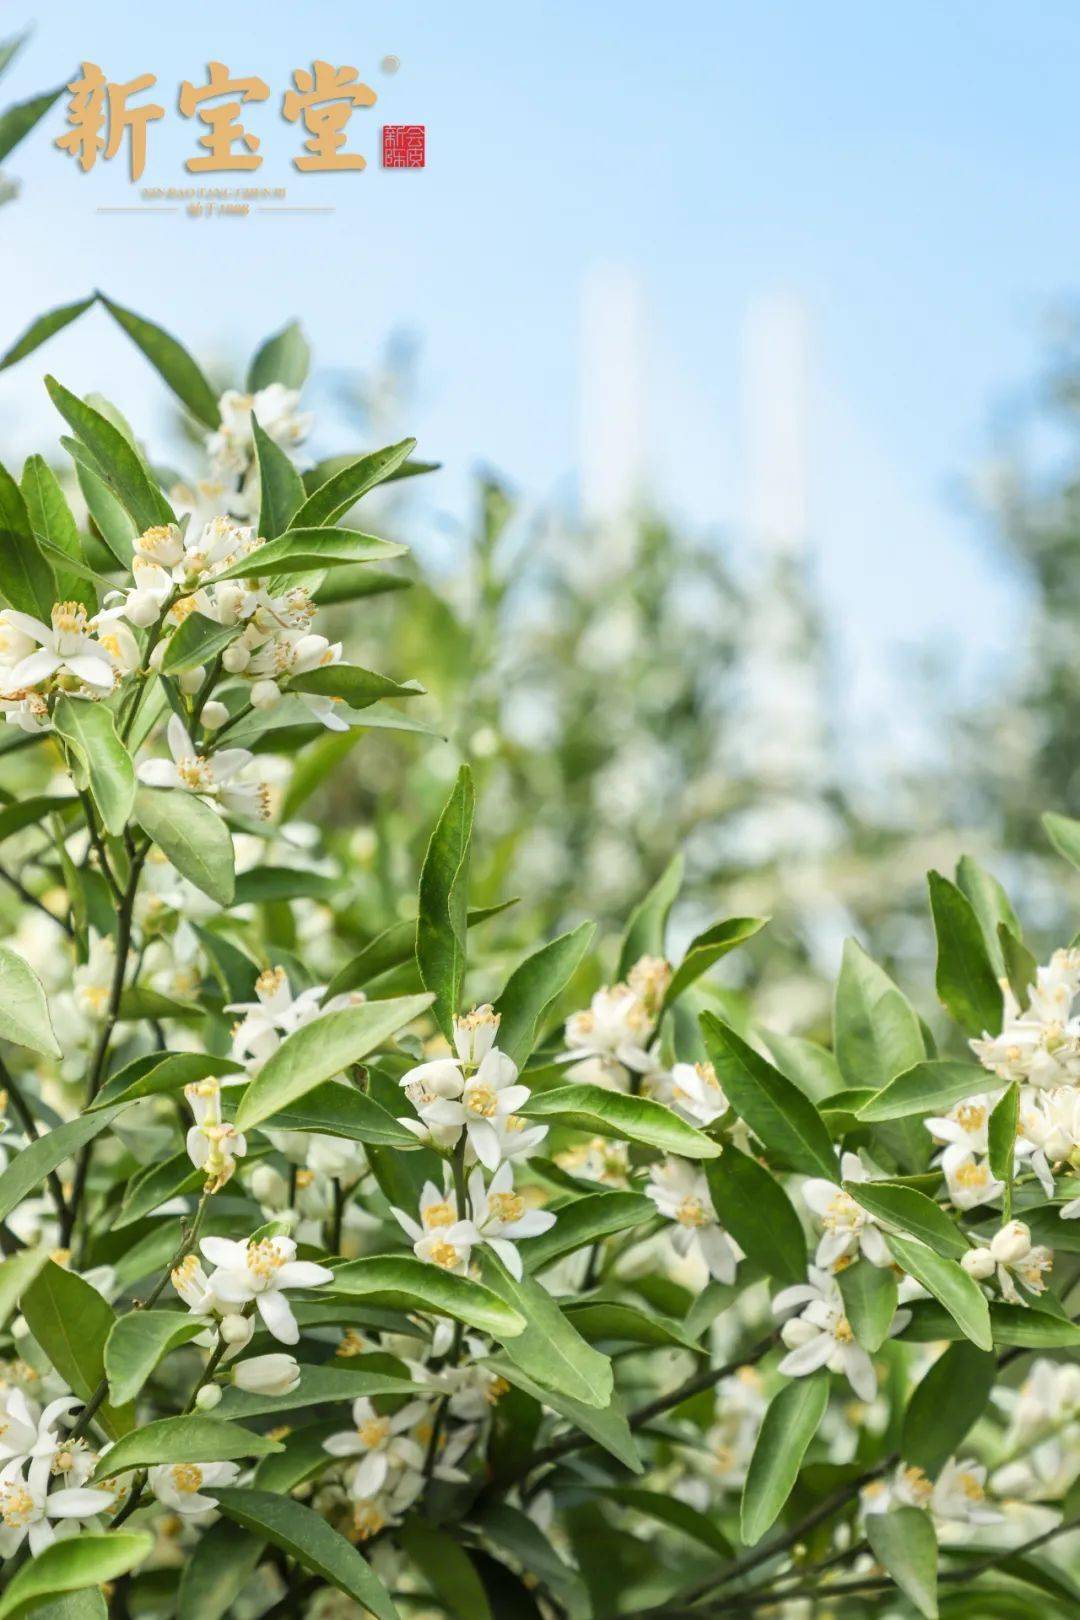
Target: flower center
x=842, y=1214
x=264, y=1259
x=971, y=1487
x=970, y=1117
x=438, y=1215
x=368, y=1520
x=842, y=1331
x=445, y=1255
x=481, y=1100
x=691, y=1212
x=187, y=1477
x=971, y=1175
x=195, y=773
x=16, y=1506
x=374, y=1432
x=507, y=1206
x=69, y=618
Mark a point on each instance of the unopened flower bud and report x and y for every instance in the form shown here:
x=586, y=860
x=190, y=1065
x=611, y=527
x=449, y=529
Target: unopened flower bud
x=978, y=1263
x=275, y=1374
x=1011, y=1244
x=208, y=1397
x=269, y=1187
x=796, y=1332
x=157, y=656
x=236, y=1329
x=264, y=694
x=191, y=679
x=214, y=714
x=236, y=658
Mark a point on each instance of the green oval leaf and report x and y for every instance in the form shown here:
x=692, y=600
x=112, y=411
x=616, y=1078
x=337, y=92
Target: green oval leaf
x=903, y=1540
x=924, y=1087
x=24, y=1011
x=171, y=361
x=945, y=1403
x=302, y=551
x=791, y=1422
x=613, y=1113
x=101, y=761
x=194, y=837
x=138, y=1341
x=959, y=1294
x=533, y=988
x=333, y=498
x=758, y=1213
x=778, y=1113
x=30, y=1167
x=399, y=1280
x=912, y=1212
x=305, y=1536
x=71, y=1322
x=321, y=1049
x=87, y=1560
x=966, y=982
x=192, y=1438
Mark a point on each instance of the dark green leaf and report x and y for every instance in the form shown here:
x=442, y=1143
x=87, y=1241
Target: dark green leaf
x=776, y=1111
x=960, y=1295
x=196, y=642
x=40, y=330
x=116, y=462
x=791, y=1422
x=333, y=499
x=444, y=900
x=869, y=1294
x=281, y=487
x=911, y=1211
x=71, y=1322
x=101, y=762
x=757, y=1212
x=945, y=1404
x=903, y=1540
x=283, y=358
x=534, y=987
x=1001, y=1133
x=171, y=361
x=965, y=979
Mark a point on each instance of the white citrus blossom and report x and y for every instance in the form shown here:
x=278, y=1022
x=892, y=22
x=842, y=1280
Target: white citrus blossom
x=1011, y=1253
x=273, y=1374
x=380, y=1443
x=180, y=1485
x=501, y=1217
x=92, y=980
x=614, y=1029
x=489, y=1095
x=821, y=1335
x=959, y=1494
x=65, y=648
x=29, y=1511
x=694, y=1092
x=211, y=776
x=261, y=1270
x=969, y=1180
x=681, y=1194
x=847, y=1229
x=213, y=1144
x=1041, y=1045
x=440, y=1238
x=275, y=1013
x=475, y=1033
x=25, y=1430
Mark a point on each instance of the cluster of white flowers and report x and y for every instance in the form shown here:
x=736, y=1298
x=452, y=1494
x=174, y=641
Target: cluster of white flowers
x=65, y=655
x=232, y=484
x=956, y=1499
x=472, y=1099
x=248, y=1275
x=34, y=1454
x=817, y=1333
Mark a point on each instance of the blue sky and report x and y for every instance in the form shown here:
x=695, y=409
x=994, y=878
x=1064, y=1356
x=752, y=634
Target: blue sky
x=910, y=173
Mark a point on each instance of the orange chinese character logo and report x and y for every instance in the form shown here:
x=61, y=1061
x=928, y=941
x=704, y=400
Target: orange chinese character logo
x=100, y=117
x=326, y=99
x=224, y=130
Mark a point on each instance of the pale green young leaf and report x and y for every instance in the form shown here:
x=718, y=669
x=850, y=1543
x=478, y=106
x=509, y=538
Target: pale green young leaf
x=16, y=122
x=24, y=1011
x=215, y=1570
x=194, y=837
x=903, y=1540
x=991, y=906
x=790, y=1424
x=779, y=1114
x=101, y=762
x=71, y=1565
x=321, y=1049
x=534, y=987
x=16, y=1273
